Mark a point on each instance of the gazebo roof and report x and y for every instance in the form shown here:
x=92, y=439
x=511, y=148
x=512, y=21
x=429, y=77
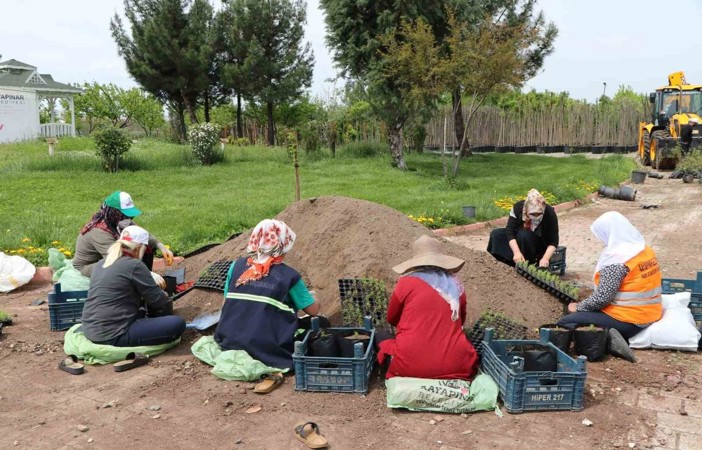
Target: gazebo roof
x=16, y=74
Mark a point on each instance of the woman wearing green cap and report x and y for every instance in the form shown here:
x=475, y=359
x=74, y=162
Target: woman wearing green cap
x=103, y=230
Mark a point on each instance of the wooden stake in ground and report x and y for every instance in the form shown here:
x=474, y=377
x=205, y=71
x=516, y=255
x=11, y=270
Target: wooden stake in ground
x=292, y=151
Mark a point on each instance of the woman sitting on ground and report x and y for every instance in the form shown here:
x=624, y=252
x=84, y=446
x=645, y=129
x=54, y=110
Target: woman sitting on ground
x=119, y=285
x=98, y=235
x=531, y=233
x=262, y=298
x=627, y=296
x=428, y=308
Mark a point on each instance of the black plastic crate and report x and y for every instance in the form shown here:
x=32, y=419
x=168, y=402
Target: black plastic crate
x=214, y=276
x=65, y=308
x=325, y=374
x=557, y=263
x=357, y=293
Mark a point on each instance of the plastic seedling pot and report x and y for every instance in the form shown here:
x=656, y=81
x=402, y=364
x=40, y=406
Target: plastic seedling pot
x=638, y=176
x=590, y=341
x=541, y=359
x=346, y=343
x=558, y=336
x=469, y=211
x=324, y=344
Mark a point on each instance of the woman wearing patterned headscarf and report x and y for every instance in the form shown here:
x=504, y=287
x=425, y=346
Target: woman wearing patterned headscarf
x=531, y=233
x=262, y=298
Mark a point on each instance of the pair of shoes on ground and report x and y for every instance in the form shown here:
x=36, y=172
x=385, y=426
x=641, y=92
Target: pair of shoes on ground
x=308, y=434
x=71, y=365
x=618, y=346
x=268, y=383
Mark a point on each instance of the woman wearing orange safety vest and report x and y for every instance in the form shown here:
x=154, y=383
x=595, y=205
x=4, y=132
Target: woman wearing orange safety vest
x=627, y=296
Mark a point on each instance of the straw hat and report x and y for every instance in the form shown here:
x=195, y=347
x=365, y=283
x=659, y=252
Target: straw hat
x=426, y=251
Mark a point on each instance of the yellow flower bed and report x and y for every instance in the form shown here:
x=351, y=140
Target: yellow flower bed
x=506, y=203
x=37, y=255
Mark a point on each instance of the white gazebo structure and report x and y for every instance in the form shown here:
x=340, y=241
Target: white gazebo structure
x=22, y=90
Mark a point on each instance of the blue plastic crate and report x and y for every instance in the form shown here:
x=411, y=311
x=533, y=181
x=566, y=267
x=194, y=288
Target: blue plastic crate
x=65, y=308
x=694, y=287
x=533, y=391
x=322, y=374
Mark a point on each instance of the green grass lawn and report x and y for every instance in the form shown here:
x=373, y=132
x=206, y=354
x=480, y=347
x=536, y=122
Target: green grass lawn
x=186, y=205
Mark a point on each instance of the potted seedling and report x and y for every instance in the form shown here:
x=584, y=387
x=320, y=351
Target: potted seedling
x=590, y=341
x=559, y=336
x=347, y=343
x=323, y=343
x=539, y=358
x=5, y=318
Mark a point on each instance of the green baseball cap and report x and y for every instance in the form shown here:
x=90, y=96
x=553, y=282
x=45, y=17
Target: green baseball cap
x=122, y=201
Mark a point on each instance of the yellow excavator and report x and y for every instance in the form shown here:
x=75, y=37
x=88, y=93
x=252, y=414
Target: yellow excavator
x=676, y=120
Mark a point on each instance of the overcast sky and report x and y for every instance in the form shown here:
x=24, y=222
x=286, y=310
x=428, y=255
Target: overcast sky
x=620, y=42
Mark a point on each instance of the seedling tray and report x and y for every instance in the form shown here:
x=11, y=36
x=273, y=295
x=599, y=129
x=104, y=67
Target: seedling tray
x=534, y=391
x=325, y=374
x=65, y=308
x=504, y=329
x=215, y=276
x=548, y=287
x=356, y=293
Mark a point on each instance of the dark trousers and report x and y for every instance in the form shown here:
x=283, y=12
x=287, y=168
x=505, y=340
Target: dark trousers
x=531, y=246
x=627, y=330
x=150, y=331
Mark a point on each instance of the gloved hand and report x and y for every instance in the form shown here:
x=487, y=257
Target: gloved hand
x=159, y=280
x=167, y=254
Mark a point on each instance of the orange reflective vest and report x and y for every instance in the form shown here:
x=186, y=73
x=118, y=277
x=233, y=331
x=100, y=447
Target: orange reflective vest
x=639, y=298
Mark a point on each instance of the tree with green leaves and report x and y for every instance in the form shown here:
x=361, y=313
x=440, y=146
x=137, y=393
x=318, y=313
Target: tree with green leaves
x=470, y=61
x=169, y=51
x=267, y=61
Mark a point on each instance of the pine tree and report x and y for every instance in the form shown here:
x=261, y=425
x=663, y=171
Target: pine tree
x=168, y=52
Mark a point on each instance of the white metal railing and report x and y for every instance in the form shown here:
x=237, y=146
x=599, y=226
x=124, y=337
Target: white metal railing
x=57, y=129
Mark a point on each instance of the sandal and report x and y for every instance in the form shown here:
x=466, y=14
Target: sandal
x=269, y=383
x=308, y=434
x=71, y=365
x=132, y=361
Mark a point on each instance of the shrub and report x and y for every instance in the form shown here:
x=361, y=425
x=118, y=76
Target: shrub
x=311, y=135
x=241, y=142
x=111, y=143
x=415, y=135
x=363, y=149
x=203, y=140
x=691, y=163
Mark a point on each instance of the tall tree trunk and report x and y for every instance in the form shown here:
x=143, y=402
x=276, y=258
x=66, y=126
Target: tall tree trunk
x=395, y=138
x=207, y=107
x=239, y=122
x=271, y=129
x=190, y=108
x=177, y=119
x=459, y=125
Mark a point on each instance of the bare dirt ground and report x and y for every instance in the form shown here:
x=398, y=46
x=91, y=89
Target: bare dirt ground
x=175, y=402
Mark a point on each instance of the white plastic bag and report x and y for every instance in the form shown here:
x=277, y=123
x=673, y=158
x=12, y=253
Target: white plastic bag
x=675, y=331
x=15, y=271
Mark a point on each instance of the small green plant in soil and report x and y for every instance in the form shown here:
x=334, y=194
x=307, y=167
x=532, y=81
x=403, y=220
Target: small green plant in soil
x=356, y=335
x=5, y=317
x=570, y=289
x=368, y=298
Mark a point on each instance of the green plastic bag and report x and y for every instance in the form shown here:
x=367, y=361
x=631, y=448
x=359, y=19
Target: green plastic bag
x=448, y=396
x=232, y=365
x=64, y=273
x=75, y=343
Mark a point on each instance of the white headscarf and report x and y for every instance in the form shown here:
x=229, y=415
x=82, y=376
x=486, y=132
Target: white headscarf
x=621, y=240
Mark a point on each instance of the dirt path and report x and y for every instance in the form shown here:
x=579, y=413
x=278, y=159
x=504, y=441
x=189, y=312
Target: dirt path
x=176, y=403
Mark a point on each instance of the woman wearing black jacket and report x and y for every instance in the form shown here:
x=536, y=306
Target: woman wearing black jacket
x=531, y=233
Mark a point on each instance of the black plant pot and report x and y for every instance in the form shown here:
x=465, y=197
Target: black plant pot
x=590, y=341
x=324, y=344
x=543, y=359
x=558, y=336
x=346, y=344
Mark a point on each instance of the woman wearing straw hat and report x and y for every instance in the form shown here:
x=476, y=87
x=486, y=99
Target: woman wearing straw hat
x=428, y=308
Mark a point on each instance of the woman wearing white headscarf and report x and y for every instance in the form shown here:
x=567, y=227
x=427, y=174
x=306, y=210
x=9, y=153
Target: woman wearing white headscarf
x=531, y=233
x=262, y=298
x=627, y=296
x=428, y=308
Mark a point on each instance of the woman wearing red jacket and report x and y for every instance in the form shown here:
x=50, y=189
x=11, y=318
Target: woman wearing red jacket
x=428, y=308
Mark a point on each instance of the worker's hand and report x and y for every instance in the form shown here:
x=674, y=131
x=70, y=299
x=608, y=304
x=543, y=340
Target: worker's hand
x=159, y=280
x=518, y=257
x=544, y=262
x=572, y=307
x=167, y=254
